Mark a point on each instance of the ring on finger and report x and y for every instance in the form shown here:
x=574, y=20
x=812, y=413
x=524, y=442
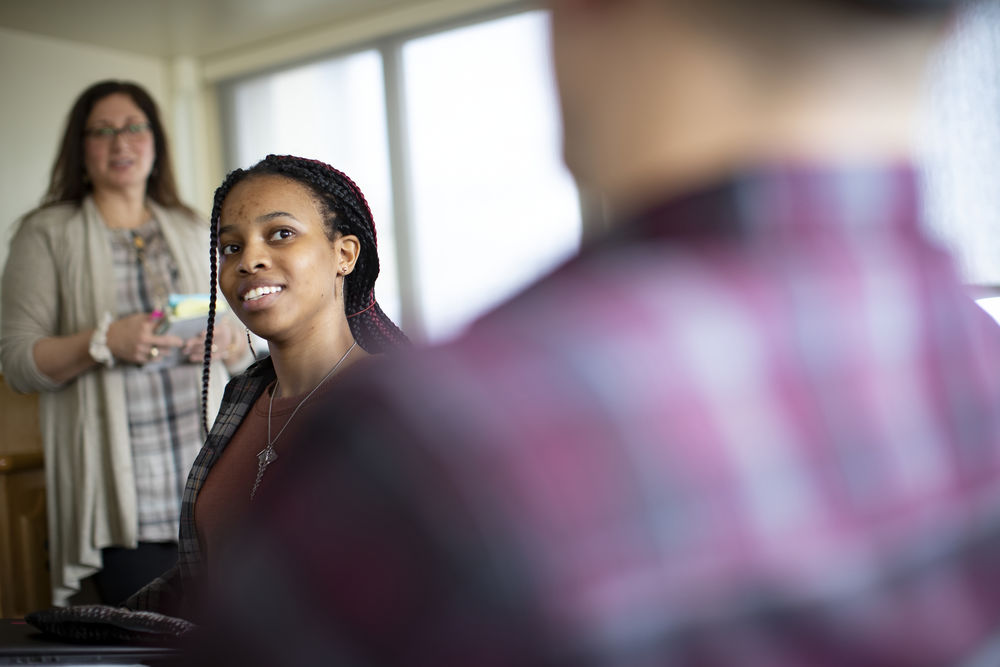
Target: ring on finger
x=154, y=352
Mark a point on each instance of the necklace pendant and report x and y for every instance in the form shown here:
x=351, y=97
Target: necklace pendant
x=266, y=457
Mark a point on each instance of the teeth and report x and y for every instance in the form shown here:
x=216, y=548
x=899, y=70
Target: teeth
x=258, y=292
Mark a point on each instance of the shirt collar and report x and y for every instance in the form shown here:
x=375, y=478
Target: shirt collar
x=780, y=198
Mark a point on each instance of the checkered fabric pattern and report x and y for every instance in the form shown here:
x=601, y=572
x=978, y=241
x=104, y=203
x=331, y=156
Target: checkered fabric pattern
x=163, y=405
x=758, y=425
x=173, y=593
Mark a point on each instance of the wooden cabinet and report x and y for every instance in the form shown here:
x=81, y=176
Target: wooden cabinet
x=24, y=574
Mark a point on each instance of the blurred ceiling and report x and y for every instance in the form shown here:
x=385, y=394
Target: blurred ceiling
x=170, y=28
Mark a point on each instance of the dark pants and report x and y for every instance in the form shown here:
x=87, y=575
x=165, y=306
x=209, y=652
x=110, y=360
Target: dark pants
x=127, y=570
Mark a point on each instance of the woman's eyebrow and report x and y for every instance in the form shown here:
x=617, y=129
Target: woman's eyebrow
x=128, y=120
x=267, y=217
x=274, y=214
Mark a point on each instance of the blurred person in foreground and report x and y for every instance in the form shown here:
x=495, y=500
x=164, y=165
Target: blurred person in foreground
x=86, y=282
x=754, y=424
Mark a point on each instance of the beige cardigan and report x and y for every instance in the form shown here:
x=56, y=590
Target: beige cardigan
x=59, y=280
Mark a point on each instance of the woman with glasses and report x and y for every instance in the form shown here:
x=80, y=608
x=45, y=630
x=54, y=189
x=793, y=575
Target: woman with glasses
x=85, y=285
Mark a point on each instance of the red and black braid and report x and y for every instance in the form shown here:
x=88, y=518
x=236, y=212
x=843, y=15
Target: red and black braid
x=213, y=262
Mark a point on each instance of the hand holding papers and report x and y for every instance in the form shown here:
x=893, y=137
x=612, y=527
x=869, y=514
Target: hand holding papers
x=186, y=317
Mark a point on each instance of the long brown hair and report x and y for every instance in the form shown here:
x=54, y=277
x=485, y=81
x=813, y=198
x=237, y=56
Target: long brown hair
x=68, y=183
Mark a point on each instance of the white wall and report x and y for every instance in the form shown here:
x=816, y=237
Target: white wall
x=40, y=77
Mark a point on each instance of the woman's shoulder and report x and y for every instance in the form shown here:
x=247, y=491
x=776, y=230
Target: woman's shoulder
x=50, y=215
x=180, y=215
x=244, y=388
x=262, y=368
x=259, y=372
x=52, y=225
x=184, y=230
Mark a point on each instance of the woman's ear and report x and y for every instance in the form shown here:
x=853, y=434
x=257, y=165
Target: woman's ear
x=347, y=247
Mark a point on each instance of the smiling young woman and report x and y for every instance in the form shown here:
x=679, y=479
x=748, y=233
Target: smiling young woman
x=294, y=254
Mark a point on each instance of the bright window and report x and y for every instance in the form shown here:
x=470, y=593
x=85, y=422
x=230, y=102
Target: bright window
x=484, y=199
x=492, y=204
x=961, y=143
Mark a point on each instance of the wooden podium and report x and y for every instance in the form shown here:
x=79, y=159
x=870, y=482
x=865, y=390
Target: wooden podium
x=24, y=568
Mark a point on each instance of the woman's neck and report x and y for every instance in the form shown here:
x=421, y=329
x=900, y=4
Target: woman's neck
x=122, y=210
x=301, y=368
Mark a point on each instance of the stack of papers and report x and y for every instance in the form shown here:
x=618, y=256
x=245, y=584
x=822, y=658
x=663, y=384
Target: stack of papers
x=186, y=316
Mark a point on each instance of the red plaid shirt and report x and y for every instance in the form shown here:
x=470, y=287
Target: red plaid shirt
x=758, y=425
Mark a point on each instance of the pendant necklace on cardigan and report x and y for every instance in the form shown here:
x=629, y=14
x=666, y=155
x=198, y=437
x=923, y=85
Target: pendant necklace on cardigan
x=154, y=283
x=267, y=456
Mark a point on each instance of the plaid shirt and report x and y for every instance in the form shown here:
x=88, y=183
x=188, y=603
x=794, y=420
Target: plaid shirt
x=163, y=405
x=173, y=592
x=758, y=425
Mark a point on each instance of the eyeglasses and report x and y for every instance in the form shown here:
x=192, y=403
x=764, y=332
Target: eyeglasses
x=131, y=132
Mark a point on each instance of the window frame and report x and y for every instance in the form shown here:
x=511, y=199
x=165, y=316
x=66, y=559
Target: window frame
x=390, y=49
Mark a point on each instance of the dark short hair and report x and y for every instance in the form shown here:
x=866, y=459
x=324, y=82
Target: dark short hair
x=68, y=182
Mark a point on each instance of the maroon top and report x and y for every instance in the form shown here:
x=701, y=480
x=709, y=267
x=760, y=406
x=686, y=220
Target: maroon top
x=225, y=497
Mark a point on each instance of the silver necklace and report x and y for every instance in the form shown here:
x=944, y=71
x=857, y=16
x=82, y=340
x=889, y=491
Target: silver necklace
x=267, y=456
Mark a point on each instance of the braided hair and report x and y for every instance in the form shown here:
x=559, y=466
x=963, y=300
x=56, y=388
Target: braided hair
x=345, y=211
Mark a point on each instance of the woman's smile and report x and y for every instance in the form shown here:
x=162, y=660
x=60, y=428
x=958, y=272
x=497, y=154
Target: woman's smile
x=260, y=298
x=257, y=293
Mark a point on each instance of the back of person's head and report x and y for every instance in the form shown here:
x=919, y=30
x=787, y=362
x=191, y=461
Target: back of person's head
x=667, y=94
x=69, y=182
